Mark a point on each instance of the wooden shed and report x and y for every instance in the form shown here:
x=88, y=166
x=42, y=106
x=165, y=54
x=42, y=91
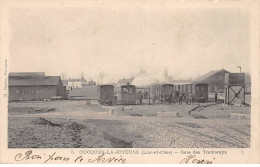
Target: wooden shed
x=215, y=80
x=35, y=86
x=128, y=94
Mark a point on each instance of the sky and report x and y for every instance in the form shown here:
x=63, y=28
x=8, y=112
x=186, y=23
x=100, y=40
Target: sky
x=119, y=43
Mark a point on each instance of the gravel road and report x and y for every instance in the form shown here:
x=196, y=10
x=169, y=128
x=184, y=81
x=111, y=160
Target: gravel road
x=72, y=124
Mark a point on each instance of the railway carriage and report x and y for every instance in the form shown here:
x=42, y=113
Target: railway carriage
x=184, y=88
x=163, y=92
x=155, y=90
x=198, y=90
x=106, y=94
x=201, y=92
x=167, y=91
x=128, y=94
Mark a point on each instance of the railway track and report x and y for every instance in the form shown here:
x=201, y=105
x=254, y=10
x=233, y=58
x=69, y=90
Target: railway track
x=195, y=111
x=183, y=136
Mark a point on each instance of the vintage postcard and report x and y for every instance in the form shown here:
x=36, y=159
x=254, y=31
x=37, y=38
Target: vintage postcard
x=126, y=82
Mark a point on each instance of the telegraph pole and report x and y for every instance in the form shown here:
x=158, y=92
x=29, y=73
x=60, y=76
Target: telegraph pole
x=239, y=68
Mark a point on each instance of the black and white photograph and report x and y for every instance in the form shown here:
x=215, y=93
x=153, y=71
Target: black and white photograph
x=129, y=76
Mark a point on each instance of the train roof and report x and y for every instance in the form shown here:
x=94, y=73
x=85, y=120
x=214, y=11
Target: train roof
x=201, y=84
x=128, y=85
x=168, y=84
x=106, y=85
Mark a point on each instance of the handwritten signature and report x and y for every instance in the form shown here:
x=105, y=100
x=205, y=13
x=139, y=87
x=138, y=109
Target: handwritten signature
x=29, y=155
x=191, y=159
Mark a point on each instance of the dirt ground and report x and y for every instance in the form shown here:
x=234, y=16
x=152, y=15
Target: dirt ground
x=73, y=124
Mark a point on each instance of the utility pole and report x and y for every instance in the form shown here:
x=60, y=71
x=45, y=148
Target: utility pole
x=239, y=68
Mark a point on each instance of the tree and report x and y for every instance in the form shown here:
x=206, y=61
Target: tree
x=101, y=76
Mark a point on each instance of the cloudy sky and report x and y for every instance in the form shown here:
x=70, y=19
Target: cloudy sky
x=120, y=43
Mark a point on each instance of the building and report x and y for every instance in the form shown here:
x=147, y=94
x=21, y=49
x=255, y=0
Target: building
x=33, y=86
x=75, y=83
x=214, y=79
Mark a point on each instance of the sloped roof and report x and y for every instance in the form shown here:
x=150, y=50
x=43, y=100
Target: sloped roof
x=209, y=74
x=24, y=74
x=34, y=81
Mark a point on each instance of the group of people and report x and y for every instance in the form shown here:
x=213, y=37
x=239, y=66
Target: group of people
x=181, y=96
x=142, y=95
x=176, y=96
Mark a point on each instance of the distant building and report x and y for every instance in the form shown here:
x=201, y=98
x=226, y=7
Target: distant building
x=214, y=79
x=76, y=83
x=35, y=86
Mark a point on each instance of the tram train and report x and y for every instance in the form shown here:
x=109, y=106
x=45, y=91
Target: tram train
x=105, y=94
x=109, y=95
x=163, y=92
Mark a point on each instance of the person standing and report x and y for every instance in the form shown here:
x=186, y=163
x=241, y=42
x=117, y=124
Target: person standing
x=190, y=98
x=180, y=98
x=216, y=97
x=141, y=98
